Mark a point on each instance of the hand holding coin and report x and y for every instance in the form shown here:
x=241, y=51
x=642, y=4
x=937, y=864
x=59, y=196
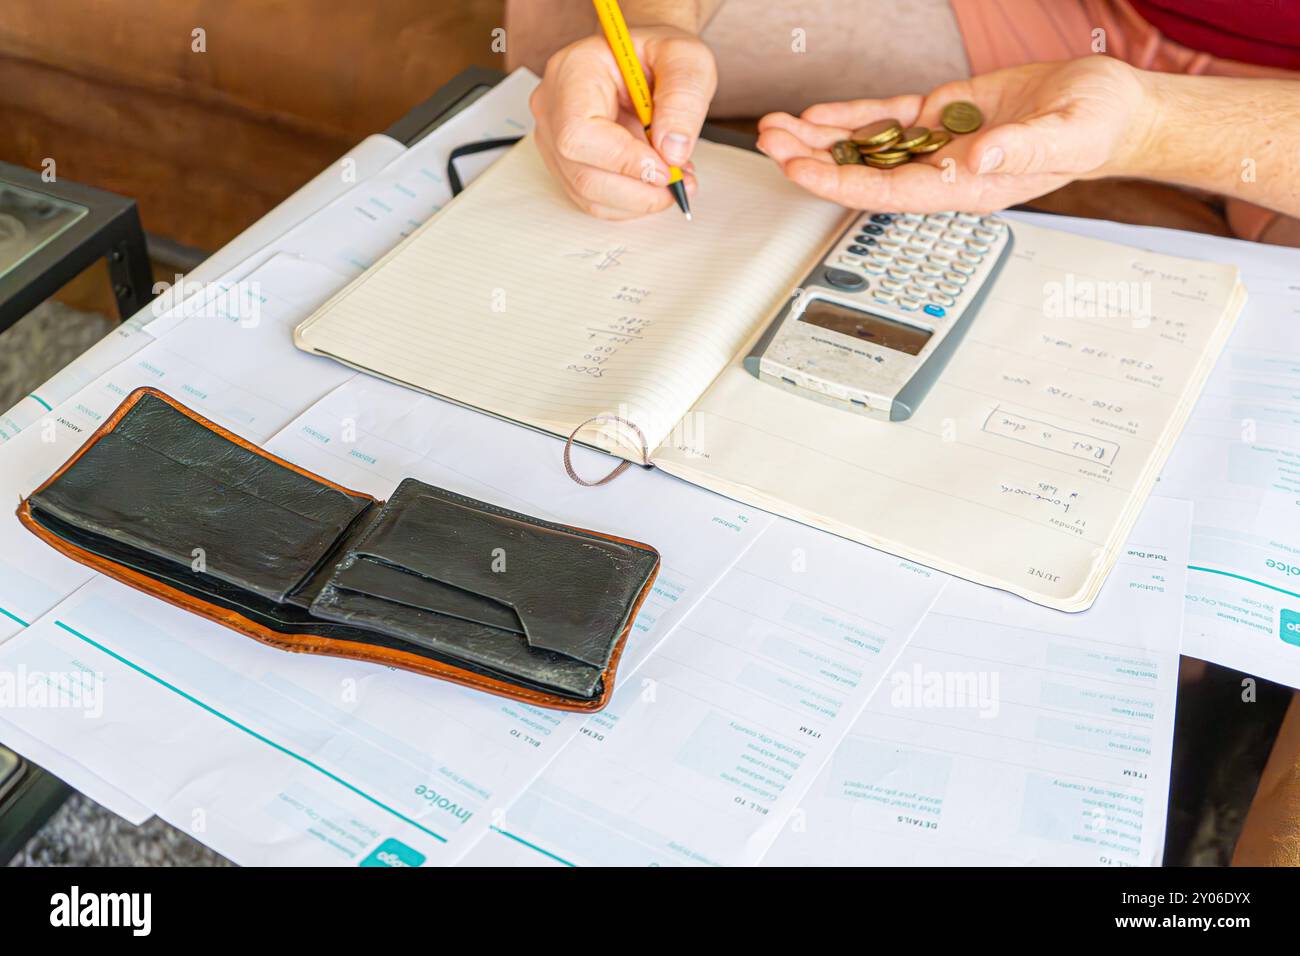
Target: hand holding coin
x=978, y=145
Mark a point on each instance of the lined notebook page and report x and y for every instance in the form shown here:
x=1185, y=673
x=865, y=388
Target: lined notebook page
x=513, y=301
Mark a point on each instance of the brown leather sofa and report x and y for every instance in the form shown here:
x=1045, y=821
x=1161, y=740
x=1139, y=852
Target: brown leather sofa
x=117, y=94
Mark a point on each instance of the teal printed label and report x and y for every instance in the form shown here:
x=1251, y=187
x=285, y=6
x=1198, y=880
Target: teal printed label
x=393, y=853
x=1289, y=627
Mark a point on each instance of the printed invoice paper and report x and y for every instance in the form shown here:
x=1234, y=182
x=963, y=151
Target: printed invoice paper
x=1012, y=734
x=1045, y=433
x=700, y=757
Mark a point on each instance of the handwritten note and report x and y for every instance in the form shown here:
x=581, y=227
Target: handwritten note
x=513, y=301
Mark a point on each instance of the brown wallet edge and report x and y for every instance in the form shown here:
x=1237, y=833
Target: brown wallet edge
x=312, y=643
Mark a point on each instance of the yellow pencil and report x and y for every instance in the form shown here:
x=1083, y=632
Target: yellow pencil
x=620, y=44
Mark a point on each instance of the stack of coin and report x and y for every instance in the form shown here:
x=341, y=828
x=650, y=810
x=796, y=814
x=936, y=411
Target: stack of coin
x=885, y=144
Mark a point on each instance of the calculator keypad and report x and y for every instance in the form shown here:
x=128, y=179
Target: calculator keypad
x=916, y=263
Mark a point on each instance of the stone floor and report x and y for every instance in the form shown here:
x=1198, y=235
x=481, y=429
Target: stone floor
x=1216, y=765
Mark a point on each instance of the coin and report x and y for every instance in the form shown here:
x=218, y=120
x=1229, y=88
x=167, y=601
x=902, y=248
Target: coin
x=961, y=117
x=878, y=163
x=878, y=134
x=937, y=139
x=845, y=153
x=911, y=137
x=888, y=155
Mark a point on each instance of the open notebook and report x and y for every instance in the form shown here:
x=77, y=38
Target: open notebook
x=1023, y=469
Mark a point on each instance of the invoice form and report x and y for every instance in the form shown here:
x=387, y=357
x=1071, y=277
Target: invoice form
x=1008, y=733
x=700, y=756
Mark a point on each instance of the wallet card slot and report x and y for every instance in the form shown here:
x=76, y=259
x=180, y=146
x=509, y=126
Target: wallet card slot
x=388, y=582
x=572, y=591
x=496, y=649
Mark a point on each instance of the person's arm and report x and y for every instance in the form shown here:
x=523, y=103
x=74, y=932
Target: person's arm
x=1236, y=137
x=1050, y=123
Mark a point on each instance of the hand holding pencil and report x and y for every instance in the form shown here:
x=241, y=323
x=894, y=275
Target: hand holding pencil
x=591, y=135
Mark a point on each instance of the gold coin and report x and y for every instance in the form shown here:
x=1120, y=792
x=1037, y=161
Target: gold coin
x=878, y=163
x=962, y=117
x=846, y=153
x=878, y=134
x=938, y=139
x=888, y=155
x=912, y=136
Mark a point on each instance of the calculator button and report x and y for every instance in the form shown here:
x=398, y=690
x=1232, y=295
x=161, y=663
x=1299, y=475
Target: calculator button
x=857, y=250
x=872, y=229
x=974, y=245
x=893, y=285
x=938, y=298
x=993, y=222
x=984, y=235
x=885, y=298
x=948, y=248
x=950, y=288
x=920, y=243
x=973, y=258
x=908, y=303
x=912, y=255
x=864, y=239
x=933, y=231
x=883, y=218
x=910, y=217
x=893, y=245
x=902, y=265
x=905, y=225
x=930, y=269
x=935, y=310
x=875, y=268
x=843, y=279
x=968, y=217
x=939, y=218
x=850, y=261
x=964, y=267
x=954, y=237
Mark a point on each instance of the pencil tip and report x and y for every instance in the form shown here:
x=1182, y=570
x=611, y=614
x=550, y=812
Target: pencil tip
x=688, y=217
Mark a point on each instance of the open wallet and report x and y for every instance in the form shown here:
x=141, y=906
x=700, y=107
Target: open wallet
x=430, y=581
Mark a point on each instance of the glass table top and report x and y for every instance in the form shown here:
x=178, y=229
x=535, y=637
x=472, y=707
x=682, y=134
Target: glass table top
x=29, y=221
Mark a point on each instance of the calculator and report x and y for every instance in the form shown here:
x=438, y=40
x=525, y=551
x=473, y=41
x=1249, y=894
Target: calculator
x=874, y=323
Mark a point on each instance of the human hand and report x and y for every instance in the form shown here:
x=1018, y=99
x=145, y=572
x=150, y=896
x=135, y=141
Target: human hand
x=588, y=132
x=1044, y=125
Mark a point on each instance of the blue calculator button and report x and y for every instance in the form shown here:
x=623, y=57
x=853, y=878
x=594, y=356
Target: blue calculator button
x=883, y=218
x=936, y=311
x=864, y=240
x=859, y=250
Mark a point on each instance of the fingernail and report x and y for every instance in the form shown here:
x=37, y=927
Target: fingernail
x=991, y=159
x=676, y=148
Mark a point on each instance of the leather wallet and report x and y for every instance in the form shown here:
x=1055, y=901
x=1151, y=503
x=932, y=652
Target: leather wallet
x=430, y=581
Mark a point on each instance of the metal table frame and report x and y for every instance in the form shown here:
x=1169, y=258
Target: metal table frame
x=110, y=230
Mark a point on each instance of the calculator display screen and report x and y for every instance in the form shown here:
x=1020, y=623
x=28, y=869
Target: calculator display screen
x=865, y=327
